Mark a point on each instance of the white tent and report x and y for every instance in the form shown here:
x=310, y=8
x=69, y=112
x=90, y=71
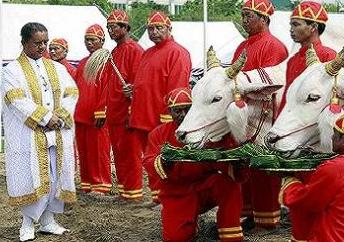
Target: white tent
x=223, y=36
x=69, y=22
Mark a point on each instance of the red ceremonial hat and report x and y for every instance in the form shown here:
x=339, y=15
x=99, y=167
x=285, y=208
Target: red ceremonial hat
x=59, y=41
x=118, y=16
x=179, y=97
x=263, y=7
x=95, y=30
x=312, y=11
x=339, y=124
x=159, y=17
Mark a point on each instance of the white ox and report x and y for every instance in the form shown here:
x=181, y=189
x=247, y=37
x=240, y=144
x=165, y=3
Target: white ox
x=214, y=112
x=308, y=100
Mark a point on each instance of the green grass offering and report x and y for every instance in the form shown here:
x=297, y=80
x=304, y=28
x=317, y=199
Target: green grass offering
x=260, y=157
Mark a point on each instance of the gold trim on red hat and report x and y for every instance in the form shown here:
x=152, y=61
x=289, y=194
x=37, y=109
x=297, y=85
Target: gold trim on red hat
x=165, y=19
x=310, y=10
x=172, y=102
x=255, y=8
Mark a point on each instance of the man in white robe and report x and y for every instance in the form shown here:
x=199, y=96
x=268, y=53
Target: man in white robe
x=39, y=98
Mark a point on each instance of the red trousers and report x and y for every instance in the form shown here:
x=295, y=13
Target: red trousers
x=153, y=181
x=128, y=146
x=94, y=157
x=180, y=212
x=260, y=195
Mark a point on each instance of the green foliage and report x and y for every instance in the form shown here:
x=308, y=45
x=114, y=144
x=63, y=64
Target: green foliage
x=218, y=10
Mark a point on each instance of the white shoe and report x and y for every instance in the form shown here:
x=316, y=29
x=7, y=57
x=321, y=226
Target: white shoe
x=53, y=228
x=27, y=233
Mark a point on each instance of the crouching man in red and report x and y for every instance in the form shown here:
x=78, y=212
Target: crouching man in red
x=317, y=206
x=189, y=189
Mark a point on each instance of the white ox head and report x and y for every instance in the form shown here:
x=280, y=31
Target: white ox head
x=307, y=101
x=207, y=119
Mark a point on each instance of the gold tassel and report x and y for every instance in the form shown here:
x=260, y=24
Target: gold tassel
x=96, y=64
x=311, y=56
x=233, y=70
x=332, y=68
x=212, y=60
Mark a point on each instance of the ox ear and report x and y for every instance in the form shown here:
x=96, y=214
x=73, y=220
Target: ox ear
x=259, y=91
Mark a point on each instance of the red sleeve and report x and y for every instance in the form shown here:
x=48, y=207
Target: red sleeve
x=133, y=65
x=179, y=74
x=314, y=195
x=102, y=94
x=280, y=53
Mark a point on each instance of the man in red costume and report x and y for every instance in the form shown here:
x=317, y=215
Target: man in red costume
x=187, y=190
x=317, y=206
x=163, y=67
x=263, y=49
x=307, y=23
x=58, y=50
x=126, y=146
x=91, y=135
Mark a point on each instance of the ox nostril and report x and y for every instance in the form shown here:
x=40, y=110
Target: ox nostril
x=181, y=135
x=271, y=139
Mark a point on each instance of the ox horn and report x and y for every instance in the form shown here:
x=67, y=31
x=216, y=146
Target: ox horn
x=212, y=60
x=233, y=70
x=311, y=56
x=332, y=68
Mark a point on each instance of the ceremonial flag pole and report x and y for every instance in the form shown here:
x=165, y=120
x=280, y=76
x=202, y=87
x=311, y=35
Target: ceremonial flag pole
x=205, y=21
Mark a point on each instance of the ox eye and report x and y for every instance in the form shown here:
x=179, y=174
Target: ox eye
x=216, y=99
x=312, y=98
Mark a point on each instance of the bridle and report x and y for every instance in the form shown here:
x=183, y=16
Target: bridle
x=264, y=110
x=265, y=106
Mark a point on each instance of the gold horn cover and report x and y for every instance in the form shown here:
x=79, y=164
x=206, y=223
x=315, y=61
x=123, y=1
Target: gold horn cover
x=212, y=60
x=311, y=56
x=233, y=70
x=332, y=68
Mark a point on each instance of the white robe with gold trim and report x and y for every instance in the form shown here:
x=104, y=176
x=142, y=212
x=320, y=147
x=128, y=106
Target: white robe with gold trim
x=29, y=98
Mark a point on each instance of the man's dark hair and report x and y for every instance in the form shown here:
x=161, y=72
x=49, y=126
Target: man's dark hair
x=29, y=29
x=122, y=25
x=267, y=19
x=321, y=26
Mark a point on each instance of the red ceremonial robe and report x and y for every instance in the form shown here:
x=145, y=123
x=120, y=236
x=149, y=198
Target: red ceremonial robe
x=163, y=68
x=317, y=206
x=260, y=193
x=189, y=189
x=70, y=68
x=93, y=143
x=297, y=64
x=126, y=145
x=262, y=50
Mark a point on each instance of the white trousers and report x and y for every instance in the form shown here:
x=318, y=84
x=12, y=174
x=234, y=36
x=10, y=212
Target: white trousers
x=48, y=202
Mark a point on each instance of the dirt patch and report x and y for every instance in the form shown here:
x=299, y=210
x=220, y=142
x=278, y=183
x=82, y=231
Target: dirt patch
x=109, y=219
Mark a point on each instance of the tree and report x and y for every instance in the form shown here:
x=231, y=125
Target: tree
x=218, y=10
